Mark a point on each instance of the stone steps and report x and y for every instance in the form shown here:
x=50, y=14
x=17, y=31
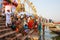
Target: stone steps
x=2, y=21
x=17, y=36
x=5, y=29
x=2, y=24
x=30, y=32
x=6, y=34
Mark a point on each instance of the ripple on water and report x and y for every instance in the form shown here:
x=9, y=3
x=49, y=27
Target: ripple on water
x=49, y=35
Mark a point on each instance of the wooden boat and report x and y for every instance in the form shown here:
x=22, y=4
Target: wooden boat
x=56, y=29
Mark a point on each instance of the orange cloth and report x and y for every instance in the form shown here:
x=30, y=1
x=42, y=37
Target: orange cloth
x=30, y=24
x=17, y=30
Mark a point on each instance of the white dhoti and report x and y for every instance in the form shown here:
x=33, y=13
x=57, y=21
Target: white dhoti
x=8, y=18
x=8, y=21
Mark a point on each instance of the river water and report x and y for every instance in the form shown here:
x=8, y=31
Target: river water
x=49, y=35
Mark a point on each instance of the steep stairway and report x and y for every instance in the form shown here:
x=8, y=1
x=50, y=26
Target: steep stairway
x=7, y=33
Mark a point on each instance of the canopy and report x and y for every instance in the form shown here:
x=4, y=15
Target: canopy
x=28, y=14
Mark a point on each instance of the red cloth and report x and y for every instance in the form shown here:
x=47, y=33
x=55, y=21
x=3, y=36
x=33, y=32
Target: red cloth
x=43, y=25
x=30, y=24
x=5, y=3
x=16, y=30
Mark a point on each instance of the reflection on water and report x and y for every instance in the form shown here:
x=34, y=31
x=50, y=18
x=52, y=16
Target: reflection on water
x=50, y=35
x=56, y=38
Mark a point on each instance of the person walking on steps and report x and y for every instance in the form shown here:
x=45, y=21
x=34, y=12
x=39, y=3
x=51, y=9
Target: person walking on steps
x=8, y=18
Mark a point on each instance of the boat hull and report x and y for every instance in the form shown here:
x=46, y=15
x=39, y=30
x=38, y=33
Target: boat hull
x=55, y=30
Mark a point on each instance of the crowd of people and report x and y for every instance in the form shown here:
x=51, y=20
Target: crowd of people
x=22, y=22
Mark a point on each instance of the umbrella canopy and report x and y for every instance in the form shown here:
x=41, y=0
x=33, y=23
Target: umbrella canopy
x=25, y=13
x=28, y=14
x=22, y=13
